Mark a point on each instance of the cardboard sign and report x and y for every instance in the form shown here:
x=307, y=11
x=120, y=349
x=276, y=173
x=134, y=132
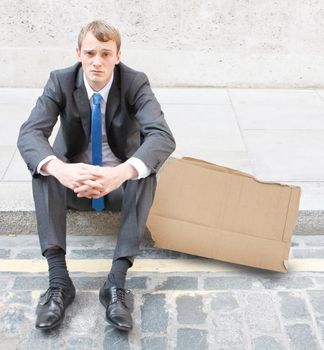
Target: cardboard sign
x=221, y=213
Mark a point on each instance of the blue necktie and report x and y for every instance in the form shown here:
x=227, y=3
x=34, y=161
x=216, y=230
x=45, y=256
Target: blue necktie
x=96, y=141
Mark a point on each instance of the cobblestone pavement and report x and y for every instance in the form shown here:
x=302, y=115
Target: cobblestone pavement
x=244, y=308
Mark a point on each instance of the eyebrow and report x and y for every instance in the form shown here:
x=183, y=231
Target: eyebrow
x=102, y=50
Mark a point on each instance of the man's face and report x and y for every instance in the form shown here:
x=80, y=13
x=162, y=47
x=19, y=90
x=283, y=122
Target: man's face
x=98, y=59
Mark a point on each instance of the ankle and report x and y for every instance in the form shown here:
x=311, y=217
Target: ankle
x=117, y=275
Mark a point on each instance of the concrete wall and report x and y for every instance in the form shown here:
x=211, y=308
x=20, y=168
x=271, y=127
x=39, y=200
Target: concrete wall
x=224, y=43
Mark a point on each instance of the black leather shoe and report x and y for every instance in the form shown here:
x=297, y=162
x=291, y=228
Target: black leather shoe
x=51, y=306
x=117, y=312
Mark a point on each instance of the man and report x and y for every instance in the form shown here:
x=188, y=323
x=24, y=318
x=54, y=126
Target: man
x=112, y=140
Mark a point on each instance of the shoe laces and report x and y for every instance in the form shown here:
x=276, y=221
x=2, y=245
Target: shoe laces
x=56, y=293
x=122, y=295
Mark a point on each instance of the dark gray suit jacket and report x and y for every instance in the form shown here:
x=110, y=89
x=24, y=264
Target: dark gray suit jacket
x=135, y=124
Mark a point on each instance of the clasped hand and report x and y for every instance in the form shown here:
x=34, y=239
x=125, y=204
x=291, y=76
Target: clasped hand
x=99, y=181
x=88, y=180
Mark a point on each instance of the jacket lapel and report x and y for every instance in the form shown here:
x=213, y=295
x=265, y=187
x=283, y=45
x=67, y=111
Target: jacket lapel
x=113, y=101
x=82, y=102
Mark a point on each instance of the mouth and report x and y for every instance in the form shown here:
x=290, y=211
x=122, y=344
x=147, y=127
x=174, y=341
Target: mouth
x=96, y=71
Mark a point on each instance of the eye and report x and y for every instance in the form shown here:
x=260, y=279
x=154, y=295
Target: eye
x=107, y=54
x=89, y=53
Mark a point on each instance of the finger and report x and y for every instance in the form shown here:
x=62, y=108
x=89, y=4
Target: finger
x=86, y=189
x=84, y=176
x=93, y=185
x=89, y=195
x=93, y=173
x=88, y=186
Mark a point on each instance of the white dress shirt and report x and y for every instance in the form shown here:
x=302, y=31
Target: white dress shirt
x=108, y=157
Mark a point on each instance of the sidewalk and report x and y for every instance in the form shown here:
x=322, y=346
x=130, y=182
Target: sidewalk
x=179, y=301
x=276, y=135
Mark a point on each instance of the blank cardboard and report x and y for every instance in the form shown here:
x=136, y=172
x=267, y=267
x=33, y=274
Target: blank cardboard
x=221, y=213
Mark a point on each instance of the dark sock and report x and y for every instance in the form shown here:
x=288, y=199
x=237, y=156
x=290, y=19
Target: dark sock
x=117, y=274
x=58, y=273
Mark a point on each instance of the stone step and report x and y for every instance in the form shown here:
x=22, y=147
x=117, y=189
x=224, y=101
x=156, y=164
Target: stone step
x=310, y=222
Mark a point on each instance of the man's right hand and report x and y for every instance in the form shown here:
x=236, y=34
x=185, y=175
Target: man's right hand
x=74, y=175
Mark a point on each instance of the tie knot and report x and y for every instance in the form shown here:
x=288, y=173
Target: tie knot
x=96, y=98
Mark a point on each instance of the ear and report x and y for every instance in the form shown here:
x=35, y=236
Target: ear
x=118, y=56
x=78, y=54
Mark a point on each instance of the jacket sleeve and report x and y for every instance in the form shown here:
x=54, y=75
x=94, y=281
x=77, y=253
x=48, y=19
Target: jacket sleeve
x=157, y=139
x=33, y=136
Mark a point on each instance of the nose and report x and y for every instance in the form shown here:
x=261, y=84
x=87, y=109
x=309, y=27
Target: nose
x=97, y=61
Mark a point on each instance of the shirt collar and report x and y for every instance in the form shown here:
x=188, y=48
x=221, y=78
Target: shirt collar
x=103, y=92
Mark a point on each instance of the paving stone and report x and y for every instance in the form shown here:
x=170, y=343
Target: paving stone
x=79, y=343
x=9, y=343
x=88, y=283
x=266, y=342
x=191, y=339
x=320, y=325
x=308, y=253
x=28, y=254
x=19, y=241
x=154, y=343
x=178, y=283
x=115, y=340
x=153, y=313
x=228, y=331
x=4, y=281
x=31, y=283
x=293, y=306
x=261, y=314
x=319, y=280
x=314, y=241
x=190, y=309
x=58, y=338
x=280, y=281
x=11, y=319
x=82, y=315
x=87, y=242
x=136, y=283
x=4, y=253
x=316, y=299
x=301, y=337
x=15, y=297
x=91, y=253
x=151, y=253
x=232, y=282
x=36, y=340
x=224, y=302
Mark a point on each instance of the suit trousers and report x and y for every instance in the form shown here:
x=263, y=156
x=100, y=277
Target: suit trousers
x=134, y=199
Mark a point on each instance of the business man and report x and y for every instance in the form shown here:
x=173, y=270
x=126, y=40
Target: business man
x=112, y=140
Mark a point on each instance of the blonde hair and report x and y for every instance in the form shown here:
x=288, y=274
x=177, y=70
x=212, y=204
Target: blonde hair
x=102, y=31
